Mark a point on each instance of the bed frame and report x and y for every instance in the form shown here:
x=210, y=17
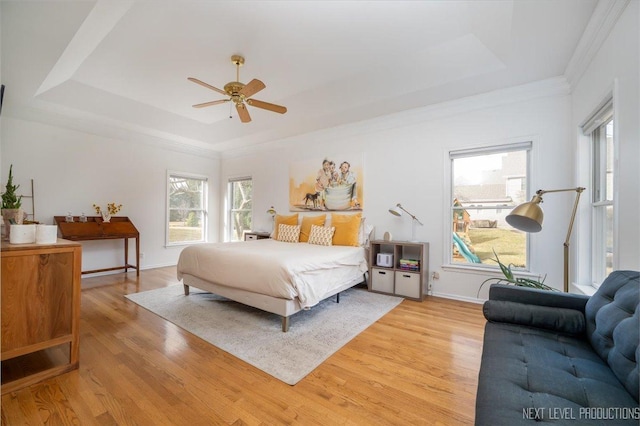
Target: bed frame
x=283, y=307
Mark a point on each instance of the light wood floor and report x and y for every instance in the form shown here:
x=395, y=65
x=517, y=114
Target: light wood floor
x=416, y=365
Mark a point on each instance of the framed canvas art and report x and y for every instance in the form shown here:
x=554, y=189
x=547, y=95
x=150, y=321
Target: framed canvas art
x=327, y=183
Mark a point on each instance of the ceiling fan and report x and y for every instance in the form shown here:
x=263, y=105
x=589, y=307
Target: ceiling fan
x=240, y=94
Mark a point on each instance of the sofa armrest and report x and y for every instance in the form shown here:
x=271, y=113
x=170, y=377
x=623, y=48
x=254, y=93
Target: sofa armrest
x=534, y=296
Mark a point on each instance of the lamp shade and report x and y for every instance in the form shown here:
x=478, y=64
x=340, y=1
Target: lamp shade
x=527, y=216
x=395, y=210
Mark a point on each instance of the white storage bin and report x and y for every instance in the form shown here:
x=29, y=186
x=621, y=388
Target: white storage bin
x=408, y=284
x=382, y=280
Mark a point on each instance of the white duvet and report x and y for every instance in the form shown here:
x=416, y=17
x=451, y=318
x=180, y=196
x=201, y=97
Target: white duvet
x=278, y=269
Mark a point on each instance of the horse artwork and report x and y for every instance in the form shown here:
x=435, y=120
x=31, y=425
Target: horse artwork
x=332, y=183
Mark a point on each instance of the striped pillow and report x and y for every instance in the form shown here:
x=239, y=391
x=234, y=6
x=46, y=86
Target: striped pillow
x=321, y=235
x=288, y=233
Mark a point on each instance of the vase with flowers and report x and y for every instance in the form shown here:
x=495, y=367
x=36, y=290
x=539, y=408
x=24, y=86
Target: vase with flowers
x=112, y=209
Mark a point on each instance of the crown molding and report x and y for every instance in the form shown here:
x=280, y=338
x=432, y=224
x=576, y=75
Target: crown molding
x=603, y=19
x=85, y=122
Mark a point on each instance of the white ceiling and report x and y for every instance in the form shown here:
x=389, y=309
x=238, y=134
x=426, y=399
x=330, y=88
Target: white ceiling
x=123, y=65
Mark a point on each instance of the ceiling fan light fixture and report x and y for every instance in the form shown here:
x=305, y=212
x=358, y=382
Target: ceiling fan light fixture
x=239, y=93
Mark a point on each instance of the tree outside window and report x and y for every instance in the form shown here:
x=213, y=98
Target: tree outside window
x=241, y=207
x=187, y=209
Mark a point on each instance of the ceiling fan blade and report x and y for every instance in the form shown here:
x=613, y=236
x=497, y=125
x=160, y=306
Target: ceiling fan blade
x=208, y=86
x=251, y=88
x=243, y=113
x=206, y=104
x=266, y=105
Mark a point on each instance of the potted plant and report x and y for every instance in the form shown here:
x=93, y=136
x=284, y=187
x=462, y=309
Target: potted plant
x=509, y=278
x=11, y=203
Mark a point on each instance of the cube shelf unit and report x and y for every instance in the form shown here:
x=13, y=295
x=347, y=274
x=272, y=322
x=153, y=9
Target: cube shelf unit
x=394, y=279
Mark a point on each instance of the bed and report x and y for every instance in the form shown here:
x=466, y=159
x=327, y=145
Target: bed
x=278, y=277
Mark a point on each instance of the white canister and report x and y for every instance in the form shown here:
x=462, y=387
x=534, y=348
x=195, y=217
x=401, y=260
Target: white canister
x=22, y=234
x=46, y=234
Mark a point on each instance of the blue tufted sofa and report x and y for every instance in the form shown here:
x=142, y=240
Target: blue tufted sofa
x=561, y=358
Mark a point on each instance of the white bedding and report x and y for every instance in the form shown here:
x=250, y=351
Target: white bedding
x=277, y=269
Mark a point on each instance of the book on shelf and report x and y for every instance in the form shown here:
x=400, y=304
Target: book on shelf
x=410, y=264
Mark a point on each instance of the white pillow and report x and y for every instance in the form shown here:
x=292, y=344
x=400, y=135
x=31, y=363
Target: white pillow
x=288, y=233
x=364, y=233
x=321, y=235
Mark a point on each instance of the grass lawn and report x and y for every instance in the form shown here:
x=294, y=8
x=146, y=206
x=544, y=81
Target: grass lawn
x=485, y=240
x=184, y=233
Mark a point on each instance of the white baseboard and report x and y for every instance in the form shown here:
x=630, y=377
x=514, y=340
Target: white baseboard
x=459, y=298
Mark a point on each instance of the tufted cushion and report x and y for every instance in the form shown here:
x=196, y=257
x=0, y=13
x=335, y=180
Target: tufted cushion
x=526, y=369
x=613, y=318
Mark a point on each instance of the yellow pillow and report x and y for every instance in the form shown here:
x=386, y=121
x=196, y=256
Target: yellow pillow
x=307, y=221
x=347, y=229
x=284, y=220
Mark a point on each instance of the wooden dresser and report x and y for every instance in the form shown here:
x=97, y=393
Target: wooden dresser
x=40, y=311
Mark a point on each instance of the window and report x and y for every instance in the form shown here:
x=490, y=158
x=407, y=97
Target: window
x=600, y=128
x=187, y=208
x=486, y=184
x=240, y=207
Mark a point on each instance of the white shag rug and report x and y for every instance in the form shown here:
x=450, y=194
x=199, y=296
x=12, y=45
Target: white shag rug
x=256, y=336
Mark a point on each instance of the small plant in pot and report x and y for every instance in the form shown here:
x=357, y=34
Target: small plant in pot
x=510, y=278
x=11, y=203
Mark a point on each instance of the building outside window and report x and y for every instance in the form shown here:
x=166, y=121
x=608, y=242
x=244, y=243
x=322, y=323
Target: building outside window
x=487, y=183
x=600, y=128
x=186, y=208
x=240, y=208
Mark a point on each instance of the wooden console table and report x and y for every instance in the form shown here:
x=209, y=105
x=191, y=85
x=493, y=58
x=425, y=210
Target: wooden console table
x=96, y=229
x=40, y=311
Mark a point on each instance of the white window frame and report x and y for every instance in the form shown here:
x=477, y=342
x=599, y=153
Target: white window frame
x=471, y=152
x=230, y=210
x=204, y=209
x=594, y=128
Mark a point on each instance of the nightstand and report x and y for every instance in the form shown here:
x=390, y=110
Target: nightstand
x=254, y=235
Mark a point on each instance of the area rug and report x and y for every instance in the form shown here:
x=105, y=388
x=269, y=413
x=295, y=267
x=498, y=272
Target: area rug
x=256, y=336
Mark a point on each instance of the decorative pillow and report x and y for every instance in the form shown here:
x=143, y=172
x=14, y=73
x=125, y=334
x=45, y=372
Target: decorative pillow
x=288, y=233
x=285, y=220
x=364, y=234
x=321, y=235
x=307, y=223
x=347, y=229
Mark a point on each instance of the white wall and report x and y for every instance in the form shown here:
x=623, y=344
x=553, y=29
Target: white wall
x=73, y=170
x=406, y=158
x=613, y=70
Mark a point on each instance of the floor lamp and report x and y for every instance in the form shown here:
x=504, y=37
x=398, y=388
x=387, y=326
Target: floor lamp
x=397, y=211
x=528, y=217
